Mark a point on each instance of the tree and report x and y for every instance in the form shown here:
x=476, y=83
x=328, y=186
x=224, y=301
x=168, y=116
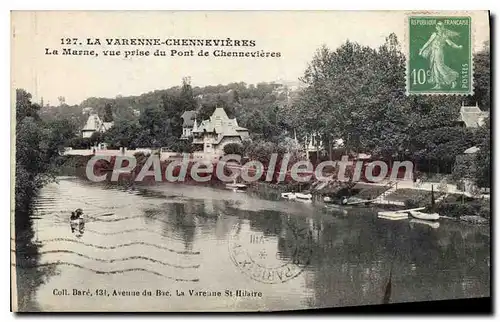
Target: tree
x=60, y=134
x=24, y=106
x=483, y=156
x=155, y=129
x=123, y=133
x=37, y=147
x=96, y=138
x=355, y=93
x=62, y=100
x=108, y=113
x=482, y=85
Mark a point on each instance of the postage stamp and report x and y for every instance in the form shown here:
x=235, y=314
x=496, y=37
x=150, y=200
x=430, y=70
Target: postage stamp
x=439, y=55
x=270, y=259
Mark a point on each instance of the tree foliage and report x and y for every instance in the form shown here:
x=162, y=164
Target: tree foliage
x=357, y=93
x=108, y=113
x=38, y=144
x=483, y=156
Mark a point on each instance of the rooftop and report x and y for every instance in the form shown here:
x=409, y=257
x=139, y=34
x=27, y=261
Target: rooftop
x=472, y=116
x=188, y=117
x=219, y=123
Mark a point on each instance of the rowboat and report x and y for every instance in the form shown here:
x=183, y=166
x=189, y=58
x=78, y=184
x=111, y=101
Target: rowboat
x=424, y=216
x=288, y=195
x=392, y=215
x=303, y=200
x=236, y=186
x=303, y=196
x=432, y=224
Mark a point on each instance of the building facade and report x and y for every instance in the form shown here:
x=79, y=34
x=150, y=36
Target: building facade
x=472, y=116
x=188, y=118
x=216, y=132
x=95, y=124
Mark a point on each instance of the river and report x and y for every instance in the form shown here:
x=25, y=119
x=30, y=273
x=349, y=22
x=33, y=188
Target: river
x=169, y=239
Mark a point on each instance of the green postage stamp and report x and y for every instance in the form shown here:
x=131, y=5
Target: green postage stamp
x=440, y=55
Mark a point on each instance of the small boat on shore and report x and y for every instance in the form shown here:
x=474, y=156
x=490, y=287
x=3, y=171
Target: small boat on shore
x=423, y=215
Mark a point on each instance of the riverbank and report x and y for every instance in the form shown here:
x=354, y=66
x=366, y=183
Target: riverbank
x=384, y=195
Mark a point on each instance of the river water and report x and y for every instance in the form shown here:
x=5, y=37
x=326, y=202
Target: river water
x=171, y=238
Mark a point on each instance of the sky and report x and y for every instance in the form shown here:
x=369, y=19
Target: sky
x=295, y=35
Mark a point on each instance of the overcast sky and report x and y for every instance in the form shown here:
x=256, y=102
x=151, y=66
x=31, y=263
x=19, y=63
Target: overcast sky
x=296, y=35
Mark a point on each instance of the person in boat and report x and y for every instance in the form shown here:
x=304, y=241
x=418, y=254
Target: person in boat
x=76, y=222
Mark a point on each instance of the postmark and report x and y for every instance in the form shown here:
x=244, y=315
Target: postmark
x=439, y=55
x=271, y=259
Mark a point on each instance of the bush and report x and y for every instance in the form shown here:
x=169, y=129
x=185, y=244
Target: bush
x=80, y=143
x=413, y=203
x=456, y=210
x=233, y=148
x=485, y=212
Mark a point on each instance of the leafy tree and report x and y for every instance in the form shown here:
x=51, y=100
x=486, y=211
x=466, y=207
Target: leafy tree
x=483, y=156
x=233, y=148
x=80, y=143
x=108, y=113
x=122, y=134
x=482, y=83
x=24, y=106
x=37, y=147
x=96, y=138
x=60, y=133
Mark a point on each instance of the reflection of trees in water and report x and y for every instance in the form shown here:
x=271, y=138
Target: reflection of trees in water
x=175, y=221
x=353, y=256
x=269, y=222
x=28, y=277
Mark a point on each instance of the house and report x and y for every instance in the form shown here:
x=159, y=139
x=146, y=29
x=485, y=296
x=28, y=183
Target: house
x=218, y=131
x=471, y=116
x=188, y=118
x=95, y=124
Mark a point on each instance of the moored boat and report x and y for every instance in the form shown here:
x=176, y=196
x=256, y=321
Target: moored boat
x=288, y=195
x=423, y=215
x=392, y=215
x=236, y=186
x=303, y=196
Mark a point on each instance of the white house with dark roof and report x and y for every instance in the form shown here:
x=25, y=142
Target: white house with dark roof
x=472, y=116
x=188, y=118
x=95, y=124
x=218, y=131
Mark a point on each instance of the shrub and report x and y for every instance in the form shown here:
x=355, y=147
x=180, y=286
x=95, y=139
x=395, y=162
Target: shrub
x=485, y=212
x=456, y=210
x=413, y=203
x=233, y=148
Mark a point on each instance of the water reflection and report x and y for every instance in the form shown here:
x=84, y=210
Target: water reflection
x=181, y=232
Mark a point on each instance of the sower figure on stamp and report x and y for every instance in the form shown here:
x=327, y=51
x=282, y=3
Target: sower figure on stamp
x=433, y=50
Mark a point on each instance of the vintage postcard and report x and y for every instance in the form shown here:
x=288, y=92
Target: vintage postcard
x=249, y=161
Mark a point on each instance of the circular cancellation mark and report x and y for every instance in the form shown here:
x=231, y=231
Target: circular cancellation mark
x=271, y=259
